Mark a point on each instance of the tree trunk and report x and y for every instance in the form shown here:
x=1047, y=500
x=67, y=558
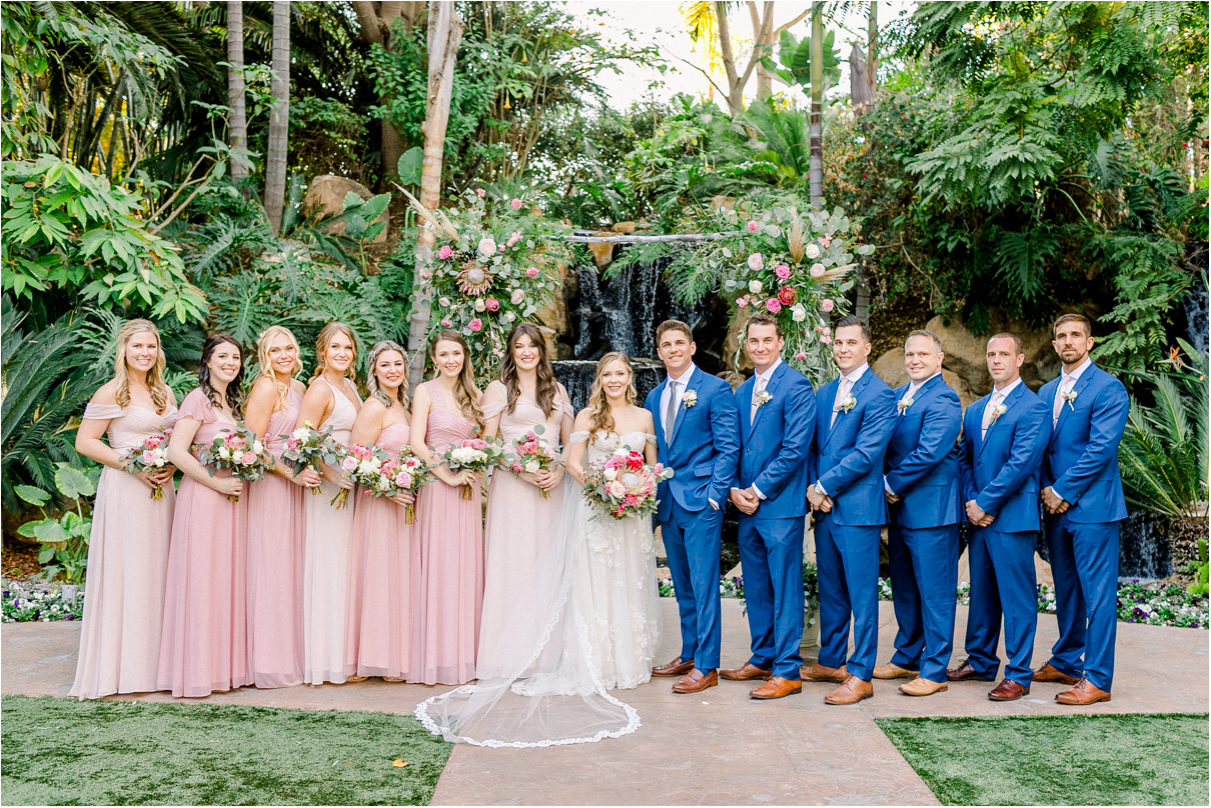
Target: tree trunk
x=872, y=49
x=279, y=116
x=445, y=32
x=237, y=121
x=816, y=164
x=375, y=20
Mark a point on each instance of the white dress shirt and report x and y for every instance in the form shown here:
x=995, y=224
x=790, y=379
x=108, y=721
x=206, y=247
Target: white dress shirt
x=844, y=386
x=1068, y=381
x=682, y=383
x=760, y=382
x=913, y=387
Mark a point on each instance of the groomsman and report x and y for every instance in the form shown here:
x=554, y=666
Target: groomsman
x=853, y=425
x=1004, y=436
x=778, y=414
x=1083, y=498
x=922, y=487
x=697, y=435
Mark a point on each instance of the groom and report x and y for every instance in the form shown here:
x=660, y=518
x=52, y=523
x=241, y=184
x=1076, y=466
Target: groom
x=697, y=431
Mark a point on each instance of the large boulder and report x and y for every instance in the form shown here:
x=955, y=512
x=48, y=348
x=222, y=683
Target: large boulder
x=325, y=198
x=553, y=318
x=965, y=352
x=890, y=368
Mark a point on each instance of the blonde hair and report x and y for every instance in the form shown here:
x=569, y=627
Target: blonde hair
x=161, y=394
x=465, y=391
x=321, y=349
x=379, y=349
x=599, y=407
x=265, y=367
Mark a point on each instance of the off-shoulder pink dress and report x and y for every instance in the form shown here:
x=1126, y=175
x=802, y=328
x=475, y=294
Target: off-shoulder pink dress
x=447, y=562
x=204, y=643
x=379, y=632
x=275, y=565
x=520, y=526
x=127, y=564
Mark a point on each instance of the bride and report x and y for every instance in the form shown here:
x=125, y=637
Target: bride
x=587, y=622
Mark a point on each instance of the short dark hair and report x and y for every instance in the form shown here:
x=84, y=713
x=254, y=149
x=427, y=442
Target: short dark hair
x=924, y=332
x=673, y=325
x=851, y=320
x=1017, y=341
x=761, y=318
x=1072, y=318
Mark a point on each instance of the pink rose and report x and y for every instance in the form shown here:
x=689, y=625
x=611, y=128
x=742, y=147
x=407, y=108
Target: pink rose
x=773, y=306
x=349, y=463
x=517, y=297
x=616, y=489
x=826, y=305
x=753, y=227
x=292, y=444
x=787, y=295
x=403, y=480
x=446, y=251
x=247, y=459
x=782, y=271
x=446, y=323
x=515, y=203
x=817, y=270
x=742, y=301
x=825, y=338
x=476, y=324
x=800, y=356
x=756, y=262
x=492, y=304
x=531, y=272
x=149, y=458
x=481, y=192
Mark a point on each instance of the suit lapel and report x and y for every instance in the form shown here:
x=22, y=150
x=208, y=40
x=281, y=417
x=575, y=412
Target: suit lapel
x=1080, y=385
x=681, y=408
x=1009, y=402
x=775, y=381
x=854, y=392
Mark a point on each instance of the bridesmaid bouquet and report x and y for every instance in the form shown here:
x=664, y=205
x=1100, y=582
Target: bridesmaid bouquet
x=149, y=455
x=531, y=454
x=407, y=472
x=360, y=461
x=240, y=451
x=625, y=485
x=476, y=454
x=309, y=447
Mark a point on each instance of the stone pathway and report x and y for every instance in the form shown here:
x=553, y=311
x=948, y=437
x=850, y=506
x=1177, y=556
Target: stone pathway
x=714, y=748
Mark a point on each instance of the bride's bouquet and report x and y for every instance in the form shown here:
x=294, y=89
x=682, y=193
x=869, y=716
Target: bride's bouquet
x=309, y=447
x=532, y=454
x=241, y=452
x=150, y=455
x=624, y=485
x=382, y=476
x=475, y=454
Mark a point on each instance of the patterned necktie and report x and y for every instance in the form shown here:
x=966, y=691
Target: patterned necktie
x=757, y=388
x=670, y=411
x=842, y=392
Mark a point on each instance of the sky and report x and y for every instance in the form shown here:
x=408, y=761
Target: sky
x=660, y=22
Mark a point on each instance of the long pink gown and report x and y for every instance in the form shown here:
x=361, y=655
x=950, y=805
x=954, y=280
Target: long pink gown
x=127, y=564
x=517, y=540
x=447, y=562
x=380, y=593
x=204, y=643
x=275, y=565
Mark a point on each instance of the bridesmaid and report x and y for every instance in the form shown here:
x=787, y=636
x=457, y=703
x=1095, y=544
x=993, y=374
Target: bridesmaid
x=331, y=400
x=275, y=518
x=519, y=518
x=380, y=624
x=204, y=644
x=128, y=546
x=447, y=548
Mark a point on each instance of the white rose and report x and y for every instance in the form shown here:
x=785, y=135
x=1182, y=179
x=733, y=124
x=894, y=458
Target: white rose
x=486, y=248
x=302, y=433
x=225, y=453
x=755, y=287
x=258, y=447
x=444, y=302
x=609, y=474
x=798, y=313
x=812, y=250
x=533, y=466
x=510, y=316
x=817, y=270
x=479, y=304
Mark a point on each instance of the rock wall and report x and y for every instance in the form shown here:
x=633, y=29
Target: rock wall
x=325, y=197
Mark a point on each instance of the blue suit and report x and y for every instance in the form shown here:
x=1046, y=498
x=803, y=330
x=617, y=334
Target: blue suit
x=847, y=460
x=774, y=448
x=702, y=451
x=1000, y=471
x=1081, y=465
x=923, y=534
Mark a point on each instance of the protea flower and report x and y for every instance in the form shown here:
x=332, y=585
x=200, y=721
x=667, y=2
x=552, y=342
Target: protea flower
x=474, y=279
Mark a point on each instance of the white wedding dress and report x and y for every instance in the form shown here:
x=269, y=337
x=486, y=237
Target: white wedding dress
x=587, y=624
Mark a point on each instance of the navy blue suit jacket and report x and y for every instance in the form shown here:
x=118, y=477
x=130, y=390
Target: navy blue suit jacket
x=923, y=457
x=774, y=447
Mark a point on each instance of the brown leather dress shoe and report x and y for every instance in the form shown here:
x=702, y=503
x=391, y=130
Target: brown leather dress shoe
x=776, y=688
x=678, y=667
x=819, y=673
x=1050, y=674
x=695, y=681
x=746, y=671
x=964, y=672
x=852, y=691
x=922, y=687
x=893, y=671
x=1082, y=695
x=1007, y=690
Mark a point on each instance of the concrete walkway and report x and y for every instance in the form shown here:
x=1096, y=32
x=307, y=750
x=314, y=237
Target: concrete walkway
x=714, y=748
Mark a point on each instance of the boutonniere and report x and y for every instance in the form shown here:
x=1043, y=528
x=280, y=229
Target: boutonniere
x=689, y=398
x=846, y=404
x=998, y=410
x=903, y=404
x=1070, y=397
x=762, y=398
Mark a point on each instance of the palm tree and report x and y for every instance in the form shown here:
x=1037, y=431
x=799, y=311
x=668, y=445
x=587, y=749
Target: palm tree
x=817, y=73
x=237, y=125
x=279, y=116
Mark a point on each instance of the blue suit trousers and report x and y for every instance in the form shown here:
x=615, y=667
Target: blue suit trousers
x=924, y=577
x=771, y=555
x=847, y=562
x=1002, y=585
x=1084, y=561
x=691, y=540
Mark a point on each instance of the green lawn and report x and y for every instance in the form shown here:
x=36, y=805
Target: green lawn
x=1058, y=760
x=65, y=752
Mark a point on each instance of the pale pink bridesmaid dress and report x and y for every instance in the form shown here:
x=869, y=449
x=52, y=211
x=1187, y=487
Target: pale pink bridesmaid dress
x=275, y=565
x=380, y=606
x=204, y=643
x=127, y=565
x=447, y=562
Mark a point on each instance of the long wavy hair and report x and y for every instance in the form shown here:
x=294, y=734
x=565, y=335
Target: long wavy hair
x=234, y=399
x=401, y=395
x=466, y=394
x=265, y=367
x=599, y=407
x=321, y=349
x=546, y=386
x=161, y=394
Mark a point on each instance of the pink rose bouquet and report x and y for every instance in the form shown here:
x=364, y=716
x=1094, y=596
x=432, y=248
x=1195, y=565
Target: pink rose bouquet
x=383, y=476
x=308, y=447
x=625, y=485
x=150, y=455
x=532, y=454
x=474, y=454
x=239, y=451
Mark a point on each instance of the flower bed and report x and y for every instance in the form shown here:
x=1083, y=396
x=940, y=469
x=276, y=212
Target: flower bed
x=27, y=601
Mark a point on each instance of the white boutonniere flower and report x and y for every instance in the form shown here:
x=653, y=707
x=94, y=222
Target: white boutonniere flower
x=689, y=398
x=903, y=404
x=762, y=398
x=846, y=404
x=998, y=410
x=1070, y=397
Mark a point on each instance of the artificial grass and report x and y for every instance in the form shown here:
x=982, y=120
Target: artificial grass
x=66, y=752
x=1126, y=759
